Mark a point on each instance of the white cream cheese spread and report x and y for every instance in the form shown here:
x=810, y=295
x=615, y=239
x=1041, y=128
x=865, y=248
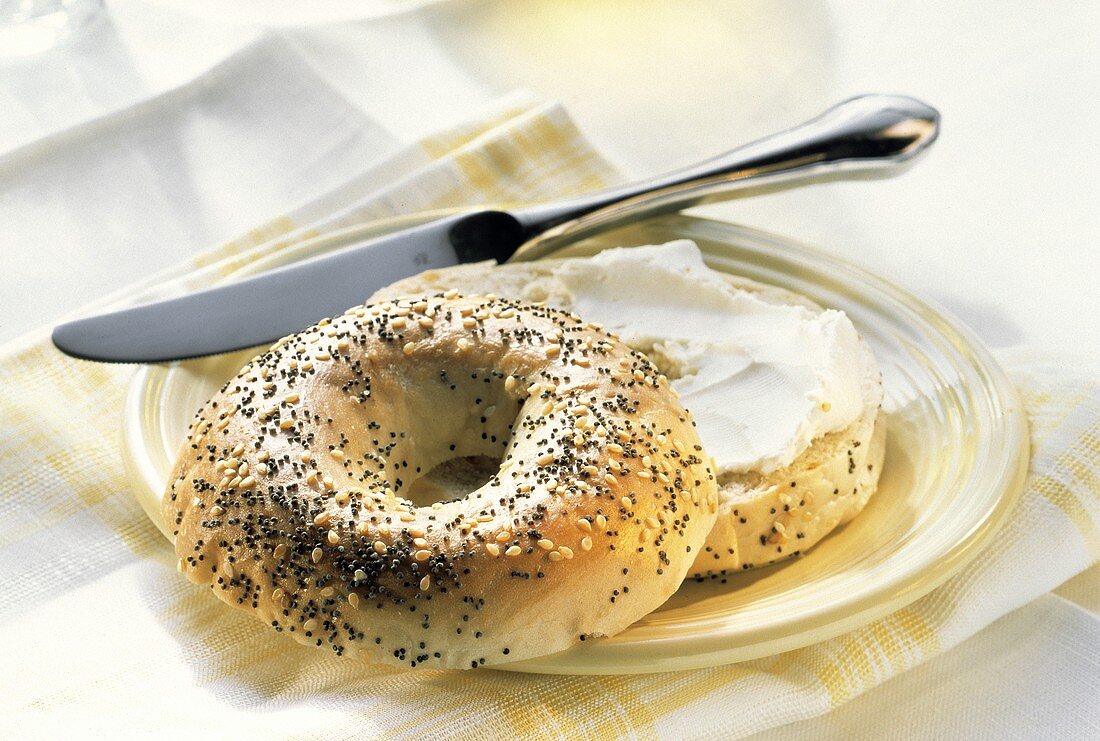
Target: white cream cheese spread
x=762, y=380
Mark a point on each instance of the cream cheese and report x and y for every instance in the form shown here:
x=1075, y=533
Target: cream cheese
x=762, y=380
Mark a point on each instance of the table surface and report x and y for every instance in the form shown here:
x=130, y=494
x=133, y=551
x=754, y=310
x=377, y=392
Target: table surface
x=998, y=223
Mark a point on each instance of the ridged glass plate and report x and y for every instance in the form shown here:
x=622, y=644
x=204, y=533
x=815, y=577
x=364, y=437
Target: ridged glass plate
x=956, y=456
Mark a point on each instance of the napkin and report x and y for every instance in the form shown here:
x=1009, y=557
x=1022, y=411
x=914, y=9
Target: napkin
x=95, y=207
x=99, y=633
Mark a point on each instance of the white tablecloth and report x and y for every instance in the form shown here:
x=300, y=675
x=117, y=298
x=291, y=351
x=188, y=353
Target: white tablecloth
x=998, y=223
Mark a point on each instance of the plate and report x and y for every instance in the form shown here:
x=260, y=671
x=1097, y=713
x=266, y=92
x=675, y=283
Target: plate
x=957, y=452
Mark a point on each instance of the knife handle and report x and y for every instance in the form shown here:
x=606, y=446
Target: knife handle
x=865, y=135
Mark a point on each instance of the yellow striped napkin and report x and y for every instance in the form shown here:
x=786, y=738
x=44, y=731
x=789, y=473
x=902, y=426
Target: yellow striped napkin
x=99, y=633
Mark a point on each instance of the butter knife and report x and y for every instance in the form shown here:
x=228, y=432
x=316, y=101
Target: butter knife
x=867, y=135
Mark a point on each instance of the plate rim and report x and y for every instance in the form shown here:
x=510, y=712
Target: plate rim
x=706, y=650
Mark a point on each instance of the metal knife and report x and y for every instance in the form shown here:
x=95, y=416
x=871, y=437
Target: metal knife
x=871, y=134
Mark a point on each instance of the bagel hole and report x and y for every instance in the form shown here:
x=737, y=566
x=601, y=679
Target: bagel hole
x=452, y=480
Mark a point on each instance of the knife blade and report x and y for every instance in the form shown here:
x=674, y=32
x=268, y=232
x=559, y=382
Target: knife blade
x=854, y=138
x=261, y=309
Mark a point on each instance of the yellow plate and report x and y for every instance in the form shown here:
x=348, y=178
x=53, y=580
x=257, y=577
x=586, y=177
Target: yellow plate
x=956, y=456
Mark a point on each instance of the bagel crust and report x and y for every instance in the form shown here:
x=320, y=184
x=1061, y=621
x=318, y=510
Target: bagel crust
x=289, y=499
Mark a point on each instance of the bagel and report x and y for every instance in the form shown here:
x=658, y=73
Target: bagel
x=764, y=516
x=768, y=517
x=290, y=497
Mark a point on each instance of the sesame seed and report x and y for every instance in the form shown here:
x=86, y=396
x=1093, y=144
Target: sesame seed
x=353, y=599
x=422, y=555
x=546, y=544
x=586, y=543
x=493, y=549
x=625, y=501
x=513, y=550
x=555, y=556
x=322, y=519
x=409, y=347
x=333, y=537
x=317, y=555
x=566, y=551
x=425, y=583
